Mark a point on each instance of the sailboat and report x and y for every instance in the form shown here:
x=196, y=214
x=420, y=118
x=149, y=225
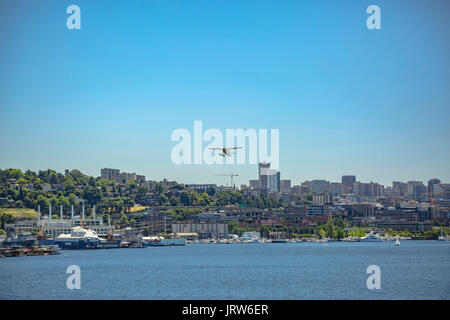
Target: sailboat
x=325, y=241
x=397, y=243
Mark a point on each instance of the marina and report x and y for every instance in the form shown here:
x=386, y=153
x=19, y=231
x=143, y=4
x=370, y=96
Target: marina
x=81, y=238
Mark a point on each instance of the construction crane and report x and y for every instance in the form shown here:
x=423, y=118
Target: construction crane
x=231, y=175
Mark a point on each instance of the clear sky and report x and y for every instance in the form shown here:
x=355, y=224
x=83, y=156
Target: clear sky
x=346, y=99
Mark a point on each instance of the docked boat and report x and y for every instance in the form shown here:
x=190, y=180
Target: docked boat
x=158, y=241
x=110, y=240
x=443, y=238
x=371, y=238
x=23, y=240
x=279, y=241
x=79, y=238
x=174, y=242
x=109, y=244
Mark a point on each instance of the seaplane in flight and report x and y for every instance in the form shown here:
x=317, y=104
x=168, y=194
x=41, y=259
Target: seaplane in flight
x=225, y=151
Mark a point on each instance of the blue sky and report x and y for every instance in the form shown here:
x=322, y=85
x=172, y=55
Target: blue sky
x=347, y=100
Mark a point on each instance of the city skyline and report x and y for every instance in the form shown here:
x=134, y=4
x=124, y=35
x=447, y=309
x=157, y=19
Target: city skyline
x=119, y=175
x=346, y=99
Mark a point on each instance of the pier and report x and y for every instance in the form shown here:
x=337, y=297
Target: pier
x=32, y=251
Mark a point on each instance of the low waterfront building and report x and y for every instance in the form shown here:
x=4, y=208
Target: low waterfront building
x=53, y=228
x=187, y=235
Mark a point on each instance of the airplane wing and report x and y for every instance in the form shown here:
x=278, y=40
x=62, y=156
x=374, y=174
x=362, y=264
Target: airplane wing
x=235, y=148
x=216, y=148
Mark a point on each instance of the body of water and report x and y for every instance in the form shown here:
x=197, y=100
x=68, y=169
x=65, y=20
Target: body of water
x=414, y=270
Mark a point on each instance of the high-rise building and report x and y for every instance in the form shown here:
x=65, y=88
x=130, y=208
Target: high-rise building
x=415, y=188
x=262, y=167
x=125, y=176
x=399, y=189
x=285, y=186
x=140, y=178
x=269, y=179
x=348, y=181
x=431, y=183
x=110, y=174
x=300, y=189
x=367, y=189
x=337, y=188
x=319, y=186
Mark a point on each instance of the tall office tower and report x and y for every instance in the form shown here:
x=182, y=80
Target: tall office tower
x=399, y=189
x=348, y=181
x=110, y=174
x=274, y=180
x=262, y=167
x=268, y=178
x=319, y=186
x=416, y=190
x=431, y=183
x=285, y=186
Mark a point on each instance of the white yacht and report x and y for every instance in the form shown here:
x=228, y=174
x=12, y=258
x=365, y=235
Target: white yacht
x=371, y=238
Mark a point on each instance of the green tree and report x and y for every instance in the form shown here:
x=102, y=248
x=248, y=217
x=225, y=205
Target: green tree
x=174, y=201
x=6, y=218
x=162, y=199
x=185, y=198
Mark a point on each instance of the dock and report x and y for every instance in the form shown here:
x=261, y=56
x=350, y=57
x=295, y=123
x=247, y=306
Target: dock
x=31, y=251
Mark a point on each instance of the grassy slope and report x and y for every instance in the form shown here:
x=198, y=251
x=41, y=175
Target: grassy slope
x=20, y=212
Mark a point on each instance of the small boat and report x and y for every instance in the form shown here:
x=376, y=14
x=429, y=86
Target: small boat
x=125, y=244
x=397, y=243
x=279, y=241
